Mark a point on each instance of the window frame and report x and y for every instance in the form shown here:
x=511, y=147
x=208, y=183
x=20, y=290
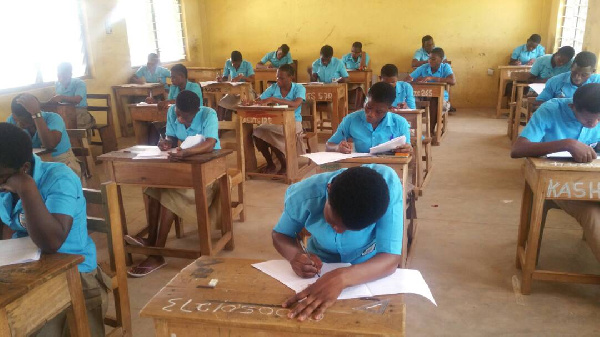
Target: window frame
x=561, y=24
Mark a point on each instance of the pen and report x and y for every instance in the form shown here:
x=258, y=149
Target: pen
x=307, y=253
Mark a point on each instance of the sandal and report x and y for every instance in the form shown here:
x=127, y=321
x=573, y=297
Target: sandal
x=146, y=270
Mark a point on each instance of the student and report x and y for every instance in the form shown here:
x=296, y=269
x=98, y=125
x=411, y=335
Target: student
x=552, y=64
x=353, y=215
x=526, y=54
x=46, y=129
x=269, y=138
x=563, y=124
x=564, y=85
x=74, y=91
x=422, y=54
x=239, y=69
x=405, y=98
x=328, y=69
x=45, y=202
x=373, y=125
x=356, y=59
x=277, y=58
x=179, y=80
x=185, y=118
x=152, y=72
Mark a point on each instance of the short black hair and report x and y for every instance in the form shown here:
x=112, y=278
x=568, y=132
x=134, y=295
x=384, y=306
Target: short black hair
x=567, y=51
x=357, y=45
x=327, y=51
x=586, y=59
x=360, y=196
x=285, y=49
x=288, y=69
x=389, y=70
x=535, y=38
x=425, y=39
x=180, y=68
x=382, y=92
x=236, y=56
x=15, y=146
x=188, y=101
x=19, y=110
x=587, y=98
x=439, y=52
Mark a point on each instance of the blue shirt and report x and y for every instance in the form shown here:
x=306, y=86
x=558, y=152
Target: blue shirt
x=422, y=55
x=522, y=54
x=554, y=120
x=351, y=64
x=355, y=126
x=204, y=123
x=425, y=70
x=76, y=87
x=297, y=91
x=560, y=86
x=304, y=203
x=244, y=69
x=191, y=86
x=335, y=69
x=54, y=123
x=405, y=93
x=158, y=76
x=61, y=192
x=542, y=67
x=272, y=57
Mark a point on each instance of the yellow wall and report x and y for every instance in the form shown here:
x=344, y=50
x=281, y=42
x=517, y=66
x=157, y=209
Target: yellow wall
x=592, y=29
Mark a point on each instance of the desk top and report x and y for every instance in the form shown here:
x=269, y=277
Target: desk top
x=265, y=70
x=129, y=153
x=523, y=67
x=263, y=108
x=55, y=105
x=204, y=68
x=144, y=86
x=438, y=84
x=563, y=165
x=319, y=85
x=382, y=159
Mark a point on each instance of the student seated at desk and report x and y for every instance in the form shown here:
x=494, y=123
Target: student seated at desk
x=185, y=118
x=526, y=54
x=46, y=129
x=552, y=64
x=564, y=85
x=277, y=58
x=239, y=69
x=405, y=97
x=179, y=83
x=268, y=137
x=354, y=216
x=327, y=69
x=563, y=124
x=422, y=54
x=152, y=72
x=356, y=59
x=373, y=125
x=45, y=202
x=74, y=91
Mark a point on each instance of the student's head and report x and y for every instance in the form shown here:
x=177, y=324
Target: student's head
x=436, y=57
x=326, y=54
x=285, y=75
x=64, y=72
x=236, y=58
x=153, y=61
x=15, y=151
x=389, y=74
x=427, y=43
x=563, y=56
x=282, y=51
x=187, y=105
x=356, y=49
x=21, y=116
x=583, y=67
x=357, y=198
x=179, y=75
x=533, y=41
x=380, y=98
x=586, y=104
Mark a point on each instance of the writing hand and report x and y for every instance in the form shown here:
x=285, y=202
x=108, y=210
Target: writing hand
x=56, y=98
x=531, y=62
x=162, y=105
x=581, y=152
x=306, y=267
x=178, y=154
x=344, y=147
x=150, y=100
x=316, y=298
x=164, y=144
x=406, y=148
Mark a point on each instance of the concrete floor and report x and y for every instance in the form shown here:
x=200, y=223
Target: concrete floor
x=465, y=246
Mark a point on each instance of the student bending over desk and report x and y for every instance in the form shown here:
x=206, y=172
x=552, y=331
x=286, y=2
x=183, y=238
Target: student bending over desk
x=551, y=65
x=564, y=85
x=353, y=215
x=327, y=69
x=45, y=201
x=422, y=54
x=356, y=59
x=239, y=69
x=526, y=54
x=74, y=91
x=179, y=83
x=562, y=124
x=277, y=58
x=405, y=97
x=152, y=72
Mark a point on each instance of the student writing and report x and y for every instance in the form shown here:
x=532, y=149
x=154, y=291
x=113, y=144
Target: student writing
x=583, y=71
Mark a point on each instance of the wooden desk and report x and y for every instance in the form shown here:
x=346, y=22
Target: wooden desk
x=415, y=120
x=434, y=91
x=361, y=77
x=247, y=117
x=66, y=110
x=33, y=293
x=201, y=74
x=128, y=90
x=195, y=172
x=336, y=93
x=212, y=91
x=504, y=79
x=141, y=116
x=247, y=302
x=262, y=77
x=547, y=179
x=516, y=110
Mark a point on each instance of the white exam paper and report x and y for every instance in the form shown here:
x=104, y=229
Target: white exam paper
x=561, y=154
x=192, y=141
x=537, y=87
x=388, y=146
x=20, y=250
x=321, y=158
x=150, y=152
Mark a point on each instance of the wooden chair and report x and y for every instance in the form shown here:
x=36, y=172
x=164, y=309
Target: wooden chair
x=427, y=157
x=81, y=149
x=116, y=269
x=108, y=137
x=309, y=123
x=235, y=174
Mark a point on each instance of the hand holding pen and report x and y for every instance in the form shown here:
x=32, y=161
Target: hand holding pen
x=164, y=143
x=344, y=146
x=306, y=265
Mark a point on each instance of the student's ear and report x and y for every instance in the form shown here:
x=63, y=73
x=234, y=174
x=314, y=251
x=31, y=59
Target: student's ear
x=26, y=168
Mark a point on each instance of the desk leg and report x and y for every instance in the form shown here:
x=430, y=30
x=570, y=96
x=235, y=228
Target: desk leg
x=405, y=248
x=204, y=228
x=533, y=240
x=524, y=222
x=517, y=115
x=121, y=112
x=226, y=216
x=439, y=125
x=247, y=145
x=77, y=316
x=128, y=258
x=291, y=154
x=501, y=88
x=140, y=129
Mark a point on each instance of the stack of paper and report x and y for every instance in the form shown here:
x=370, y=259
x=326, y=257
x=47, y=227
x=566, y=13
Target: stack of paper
x=192, y=141
x=150, y=152
x=18, y=251
x=388, y=146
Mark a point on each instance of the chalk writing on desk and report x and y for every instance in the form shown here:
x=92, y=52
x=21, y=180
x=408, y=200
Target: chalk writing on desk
x=320, y=96
x=573, y=190
x=211, y=89
x=257, y=120
x=423, y=92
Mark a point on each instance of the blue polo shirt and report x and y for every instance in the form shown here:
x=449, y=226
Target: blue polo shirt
x=542, y=67
x=61, y=192
x=422, y=55
x=424, y=70
x=304, y=203
x=355, y=126
x=404, y=93
x=560, y=86
x=76, y=87
x=244, y=69
x=554, y=120
x=159, y=75
x=296, y=91
x=191, y=86
x=204, y=123
x=335, y=69
x=54, y=123
x=522, y=54
x=272, y=57
x=351, y=64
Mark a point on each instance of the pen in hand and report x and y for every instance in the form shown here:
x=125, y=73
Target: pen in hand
x=308, y=254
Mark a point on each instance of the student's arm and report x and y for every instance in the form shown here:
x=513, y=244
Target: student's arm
x=205, y=147
x=343, y=73
x=338, y=142
x=289, y=248
x=581, y=152
x=263, y=62
x=514, y=57
x=546, y=94
x=49, y=138
x=514, y=62
x=416, y=63
x=80, y=92
x=363, y=61
x=137, y=78
x=410, y=97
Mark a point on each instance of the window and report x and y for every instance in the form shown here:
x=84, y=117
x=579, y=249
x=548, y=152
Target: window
x=573, y=24
x=37, y=35
x=154, y=26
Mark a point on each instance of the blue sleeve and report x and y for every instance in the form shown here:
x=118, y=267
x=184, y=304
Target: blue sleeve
x=171, y=92
x=81, y=91
x=225, y=70
x=536, y=69
x=55, y=123
x=515, y=53
x=417, y=55
x=390, y=228
x=416, y=73
x=535, y=129
x=548, y=92
x=405, y=129
x=62, y=195
x=265, y=58
x=301, y=92
x=269, y=92
x=140, y=72
x=541, y=51
x=195, y=88
x=410, y=96
x=211, y=125
x=250, y=69
x=447, y=70
x=342, y=70
x=367, y=59
x=342, y=132
x=288, y=58
x=164, y=72
x=290, y=223
x=345, y=61
x=171, y=118
x=315, y=67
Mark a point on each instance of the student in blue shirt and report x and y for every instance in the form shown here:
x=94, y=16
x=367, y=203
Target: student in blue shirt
x=564, y=85
x=179, y=83
x=551, y=65
x=373, y=125
x=526, y=54
x=562, y=124
x=277, y=58
x=74, y=91
x=269, y=138
x=405, y=98
x=422, y=54
x=353, y=215
x=152, y=72
x=356, y=59
x=45, y=202
x=185, y=118
x=239, y=69
x=327, y=69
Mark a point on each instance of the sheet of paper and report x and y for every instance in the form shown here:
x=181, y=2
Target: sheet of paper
x=21, y=250
x=192, y=141
x=146, y=104
x=283, y=106
x=37, y=150
x=561, y=154
x=149, y=152
x=388, y=146
x=321, y=158
x=537, y=87
x=203, y=84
